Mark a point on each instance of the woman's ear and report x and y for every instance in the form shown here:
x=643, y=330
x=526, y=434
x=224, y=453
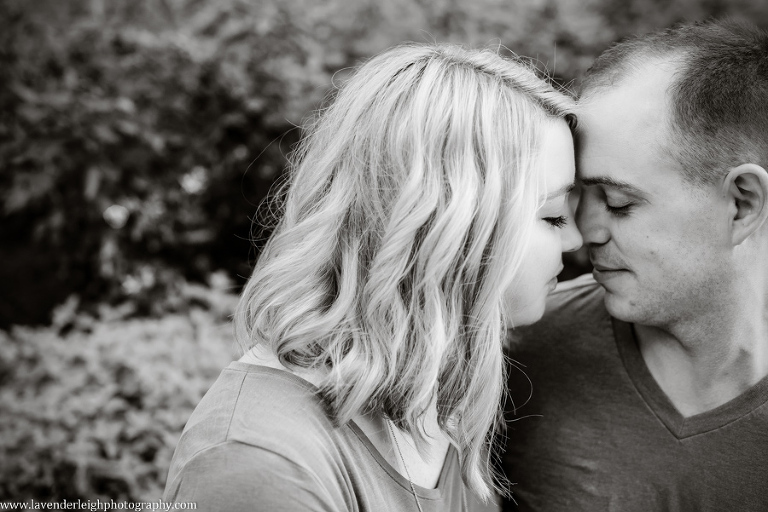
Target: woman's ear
x=746, y=187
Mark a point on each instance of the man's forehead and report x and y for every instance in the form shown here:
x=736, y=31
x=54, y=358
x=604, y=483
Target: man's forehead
x=624, y=130
x=640, y=75
x=642, y=94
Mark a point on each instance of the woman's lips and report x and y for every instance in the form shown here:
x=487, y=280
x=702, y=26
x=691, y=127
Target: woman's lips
x=552, y=283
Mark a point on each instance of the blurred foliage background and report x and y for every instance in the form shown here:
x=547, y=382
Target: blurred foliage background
x=137, y=139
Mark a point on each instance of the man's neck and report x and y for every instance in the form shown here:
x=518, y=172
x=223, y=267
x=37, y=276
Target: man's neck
x=701, y=365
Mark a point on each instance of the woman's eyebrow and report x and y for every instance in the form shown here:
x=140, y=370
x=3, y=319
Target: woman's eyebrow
x=562, y=190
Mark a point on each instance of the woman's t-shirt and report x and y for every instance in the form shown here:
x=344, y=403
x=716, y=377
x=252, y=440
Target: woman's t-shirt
x=261, y=439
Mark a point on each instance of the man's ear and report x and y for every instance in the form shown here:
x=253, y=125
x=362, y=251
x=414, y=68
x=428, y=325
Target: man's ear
x=746, y=187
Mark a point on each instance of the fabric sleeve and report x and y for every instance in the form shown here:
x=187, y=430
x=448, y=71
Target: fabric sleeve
x=238, y=477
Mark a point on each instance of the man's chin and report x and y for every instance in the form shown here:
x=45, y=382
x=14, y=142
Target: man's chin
x=620, y=307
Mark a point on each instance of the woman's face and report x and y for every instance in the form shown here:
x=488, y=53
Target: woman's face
x=554, y=231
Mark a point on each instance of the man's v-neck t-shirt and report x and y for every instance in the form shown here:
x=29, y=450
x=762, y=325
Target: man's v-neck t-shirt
x=598, y=433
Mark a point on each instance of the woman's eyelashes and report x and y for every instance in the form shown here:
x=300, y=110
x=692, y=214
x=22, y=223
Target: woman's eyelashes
x=557, y=222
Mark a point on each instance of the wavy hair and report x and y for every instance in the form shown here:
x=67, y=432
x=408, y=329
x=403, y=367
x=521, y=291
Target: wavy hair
x=409, y=205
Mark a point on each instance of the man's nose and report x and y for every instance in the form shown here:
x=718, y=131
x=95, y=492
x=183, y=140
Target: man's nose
x=590, y=219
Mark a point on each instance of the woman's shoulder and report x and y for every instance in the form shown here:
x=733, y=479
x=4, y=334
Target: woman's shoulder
x=255, y=420
x=261, y=407
x=276, y=404
x=234, y=476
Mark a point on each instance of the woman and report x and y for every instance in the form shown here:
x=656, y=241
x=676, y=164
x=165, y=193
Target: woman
x=427, y=207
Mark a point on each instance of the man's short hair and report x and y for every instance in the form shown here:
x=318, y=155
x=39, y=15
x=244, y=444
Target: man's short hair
x=719, y=95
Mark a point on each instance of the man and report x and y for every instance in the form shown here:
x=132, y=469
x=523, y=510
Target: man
x=649, y=388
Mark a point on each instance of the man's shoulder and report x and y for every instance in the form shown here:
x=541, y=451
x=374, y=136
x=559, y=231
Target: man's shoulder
x=575, y=308
x=578, y=286
x=581, y=295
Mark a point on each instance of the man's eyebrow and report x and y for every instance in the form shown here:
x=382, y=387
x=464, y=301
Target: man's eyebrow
x=561, y=191
x=609, y=182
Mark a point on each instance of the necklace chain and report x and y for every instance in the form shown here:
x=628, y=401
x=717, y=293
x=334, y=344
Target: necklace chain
x=405, y=467
x=408, y=474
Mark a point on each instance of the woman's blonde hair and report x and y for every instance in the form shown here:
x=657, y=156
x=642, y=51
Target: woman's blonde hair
x=407, y=214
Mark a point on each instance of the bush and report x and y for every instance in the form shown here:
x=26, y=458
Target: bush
x=97, y=412
x=125, y=159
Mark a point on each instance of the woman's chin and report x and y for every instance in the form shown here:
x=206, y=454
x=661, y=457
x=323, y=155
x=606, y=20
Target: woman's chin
x=526, y=317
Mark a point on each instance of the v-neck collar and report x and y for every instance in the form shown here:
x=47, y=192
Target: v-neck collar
x=678, y=425
x=423, y=492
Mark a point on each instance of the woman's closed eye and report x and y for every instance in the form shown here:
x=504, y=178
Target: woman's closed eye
x=557, y=222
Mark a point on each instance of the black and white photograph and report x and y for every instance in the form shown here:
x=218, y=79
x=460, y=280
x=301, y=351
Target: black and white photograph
x=384, y=256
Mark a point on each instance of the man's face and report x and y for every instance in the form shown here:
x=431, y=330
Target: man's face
x=659, y=245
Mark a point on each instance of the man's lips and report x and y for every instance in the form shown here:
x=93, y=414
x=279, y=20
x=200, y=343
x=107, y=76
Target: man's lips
x=602, y=262
x=604, y=274
x=604, y=268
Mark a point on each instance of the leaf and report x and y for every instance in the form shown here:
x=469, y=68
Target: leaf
x=27, y=187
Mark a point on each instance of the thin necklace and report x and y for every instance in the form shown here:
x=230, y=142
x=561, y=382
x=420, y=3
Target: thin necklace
x=397, y=447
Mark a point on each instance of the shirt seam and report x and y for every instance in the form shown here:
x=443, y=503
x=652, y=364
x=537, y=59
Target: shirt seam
x=234, y=407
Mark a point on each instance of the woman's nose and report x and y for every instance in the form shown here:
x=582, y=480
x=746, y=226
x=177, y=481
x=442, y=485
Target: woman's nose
x=571, y=238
